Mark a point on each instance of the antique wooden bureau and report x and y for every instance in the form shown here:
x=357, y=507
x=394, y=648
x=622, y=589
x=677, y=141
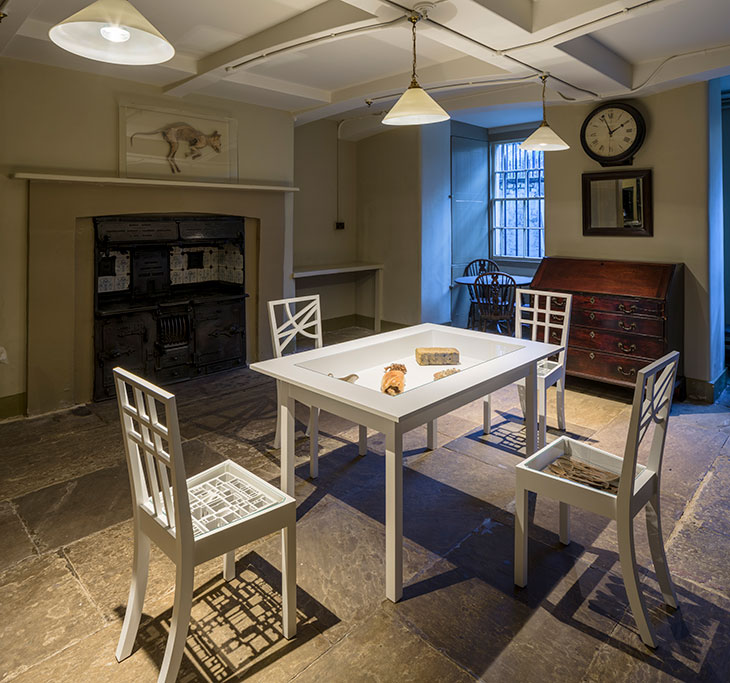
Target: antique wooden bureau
x=624, y=314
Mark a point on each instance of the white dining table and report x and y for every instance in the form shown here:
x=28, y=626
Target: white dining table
x=487, y=363
x=520, y=280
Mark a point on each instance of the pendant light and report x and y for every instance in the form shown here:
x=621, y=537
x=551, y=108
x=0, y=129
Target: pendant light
x=544, y=139
x=112, y=31
x=415, y=106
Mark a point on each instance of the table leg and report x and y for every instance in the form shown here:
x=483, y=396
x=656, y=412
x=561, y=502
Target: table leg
x=378, y=304
x=394, y=514
x=286, y=412
x=431, y=435
x=531, y=410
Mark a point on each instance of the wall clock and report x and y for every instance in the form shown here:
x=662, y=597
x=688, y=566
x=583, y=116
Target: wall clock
x=613, y=133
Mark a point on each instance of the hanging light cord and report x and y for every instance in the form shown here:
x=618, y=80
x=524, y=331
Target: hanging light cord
x=414, y=19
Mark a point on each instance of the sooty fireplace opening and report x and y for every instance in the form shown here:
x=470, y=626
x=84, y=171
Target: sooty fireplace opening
x=169, y=300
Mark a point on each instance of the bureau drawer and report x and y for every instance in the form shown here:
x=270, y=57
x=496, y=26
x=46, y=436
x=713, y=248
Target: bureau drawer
x=608, y=367
x=616, y=342
x=653, y=327
x=618, y=304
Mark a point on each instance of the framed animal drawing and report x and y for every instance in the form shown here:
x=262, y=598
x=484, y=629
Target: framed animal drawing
x=176, y=145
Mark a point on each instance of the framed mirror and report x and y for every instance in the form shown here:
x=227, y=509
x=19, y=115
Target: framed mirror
x=618, y=203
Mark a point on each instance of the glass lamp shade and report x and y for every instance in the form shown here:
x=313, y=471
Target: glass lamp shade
x=544, y=139
x=112, y=31
x=415, y=107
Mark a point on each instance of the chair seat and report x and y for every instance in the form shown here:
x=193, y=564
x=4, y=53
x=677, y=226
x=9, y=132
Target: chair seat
x=545, y=368
x=223, y=495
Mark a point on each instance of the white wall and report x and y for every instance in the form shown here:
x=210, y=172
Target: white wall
x=389, y=221
x=676, y=149
x=62, y=121
x=318, y=162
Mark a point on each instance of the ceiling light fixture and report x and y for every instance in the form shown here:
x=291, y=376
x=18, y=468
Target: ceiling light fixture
x=415, y=106
x=544, y=139
x=112, y=31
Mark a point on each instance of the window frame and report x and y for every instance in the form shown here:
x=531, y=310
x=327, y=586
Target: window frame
x=509, y=135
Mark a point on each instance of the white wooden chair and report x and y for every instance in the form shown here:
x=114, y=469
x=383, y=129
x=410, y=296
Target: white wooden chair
x=638, y=487
x=547, y=315
x=302, y=315
x=193, y=520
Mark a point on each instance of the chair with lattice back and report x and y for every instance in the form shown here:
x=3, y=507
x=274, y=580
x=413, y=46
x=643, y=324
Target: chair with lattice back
x=289, y=318
x=191, y=520
x=575, y=473
x=545, y=317
x=476, y=268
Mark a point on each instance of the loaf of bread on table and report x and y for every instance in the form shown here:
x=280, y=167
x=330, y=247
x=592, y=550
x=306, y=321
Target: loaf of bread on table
x=394, y=379
x=436, y=355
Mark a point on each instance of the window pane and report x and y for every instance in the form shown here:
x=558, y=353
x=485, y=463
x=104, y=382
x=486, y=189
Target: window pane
x=518, y=205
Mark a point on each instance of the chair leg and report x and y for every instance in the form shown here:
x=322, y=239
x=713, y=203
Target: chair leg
x=521, y=522
x=431, y=435
x=140, y=566
x=289, y=580
x=362, y=440
x=541, y=416
x=656, y=545
x=179, y=624
x=564, y=523
x=487, y=414
x=277, y=435
x=627, y=555
x=521, y=394
x=560, y=397
x=314, y=442
x=229, y=566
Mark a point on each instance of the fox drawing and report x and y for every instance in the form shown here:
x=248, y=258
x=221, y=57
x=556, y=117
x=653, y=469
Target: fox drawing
x=175, y=133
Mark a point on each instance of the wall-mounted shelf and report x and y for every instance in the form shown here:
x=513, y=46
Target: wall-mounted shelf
x=149, y=182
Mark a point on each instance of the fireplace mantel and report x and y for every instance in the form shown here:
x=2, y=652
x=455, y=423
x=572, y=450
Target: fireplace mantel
x=150, y=182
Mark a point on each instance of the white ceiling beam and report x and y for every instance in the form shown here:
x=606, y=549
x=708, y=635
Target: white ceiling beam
x=17, y=12
x=456, y=72
x=277, y=85
x=318, y=22
x=597, y=56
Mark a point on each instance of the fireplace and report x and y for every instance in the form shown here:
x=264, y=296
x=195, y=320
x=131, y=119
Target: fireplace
x=169, y=299
x=61, y=358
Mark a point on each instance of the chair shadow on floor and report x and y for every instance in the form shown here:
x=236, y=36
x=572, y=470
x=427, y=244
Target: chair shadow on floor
x=474, y=541
x=235, y=626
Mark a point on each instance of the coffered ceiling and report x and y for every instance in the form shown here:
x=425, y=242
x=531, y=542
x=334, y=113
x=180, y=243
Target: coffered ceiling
x=328, y=58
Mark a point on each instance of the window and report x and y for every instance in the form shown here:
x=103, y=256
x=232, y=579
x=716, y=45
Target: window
x=517, y=216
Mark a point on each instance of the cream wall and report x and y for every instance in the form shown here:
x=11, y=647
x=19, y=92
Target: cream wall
x=318, y=163
x=62, y=121
x=389, y=221
x=676, y=149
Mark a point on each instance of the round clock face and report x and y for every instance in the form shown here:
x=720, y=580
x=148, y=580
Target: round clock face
x=612, y=133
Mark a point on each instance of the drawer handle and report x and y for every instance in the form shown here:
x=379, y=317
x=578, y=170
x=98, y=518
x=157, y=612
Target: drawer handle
x=555, y=335
x=627, y=373
x=625, y=326
x=592, y=316
x=592, y=335
x=630, y=309
x=592, y=299
x=592, y=355
x=626, y=349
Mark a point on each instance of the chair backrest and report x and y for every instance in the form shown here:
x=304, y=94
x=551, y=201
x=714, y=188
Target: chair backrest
x=154, y=453
x=494, y=295
x=546, y=314
x=652, y=403
x=480, y=266
x=300, y=315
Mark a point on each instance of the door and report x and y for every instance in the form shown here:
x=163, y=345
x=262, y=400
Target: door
x=469, y=225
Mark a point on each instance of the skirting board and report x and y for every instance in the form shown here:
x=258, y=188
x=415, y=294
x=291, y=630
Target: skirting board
x=707, y=392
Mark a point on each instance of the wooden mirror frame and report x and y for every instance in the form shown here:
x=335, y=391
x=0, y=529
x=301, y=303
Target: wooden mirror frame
x=646, y=230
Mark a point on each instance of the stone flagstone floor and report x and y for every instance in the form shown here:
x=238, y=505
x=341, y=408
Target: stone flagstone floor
x=65, y=563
